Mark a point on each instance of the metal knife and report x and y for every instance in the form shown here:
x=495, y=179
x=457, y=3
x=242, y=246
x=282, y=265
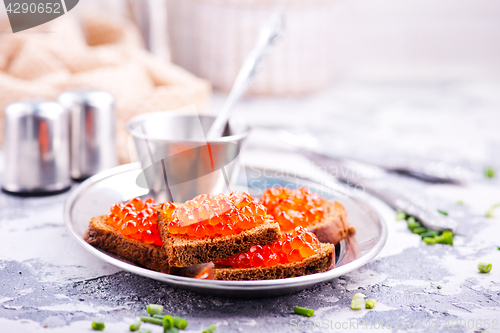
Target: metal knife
x=431, y=170
x=373, y=180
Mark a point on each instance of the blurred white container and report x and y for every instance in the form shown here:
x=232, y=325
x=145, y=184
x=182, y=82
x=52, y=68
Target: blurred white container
x=211, y=38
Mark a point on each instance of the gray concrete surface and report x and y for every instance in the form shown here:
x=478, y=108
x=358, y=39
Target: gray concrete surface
x=49, y=283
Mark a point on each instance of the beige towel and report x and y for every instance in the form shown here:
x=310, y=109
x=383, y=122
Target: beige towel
x=98, y=52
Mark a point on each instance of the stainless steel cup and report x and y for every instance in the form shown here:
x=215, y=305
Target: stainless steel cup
x=178, y=164
x=36, y=148
x=93, y=146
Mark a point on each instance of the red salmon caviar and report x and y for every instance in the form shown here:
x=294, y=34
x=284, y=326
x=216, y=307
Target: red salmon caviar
x=136, y=219
x=292, y=208
x=291, y=247
x=214, y=215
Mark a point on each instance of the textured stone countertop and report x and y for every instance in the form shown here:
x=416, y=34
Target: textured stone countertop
x=49, y=283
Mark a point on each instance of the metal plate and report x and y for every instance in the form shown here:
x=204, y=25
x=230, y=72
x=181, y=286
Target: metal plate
x=94, y=197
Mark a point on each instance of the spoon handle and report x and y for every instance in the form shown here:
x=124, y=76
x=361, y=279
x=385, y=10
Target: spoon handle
x=268, y=37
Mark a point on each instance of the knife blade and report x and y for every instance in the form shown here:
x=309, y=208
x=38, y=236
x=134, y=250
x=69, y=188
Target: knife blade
x=374, y=181
x=429, y=170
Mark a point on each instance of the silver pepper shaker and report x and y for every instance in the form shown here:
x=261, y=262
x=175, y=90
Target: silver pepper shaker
x=36, y=148
x=93, y=147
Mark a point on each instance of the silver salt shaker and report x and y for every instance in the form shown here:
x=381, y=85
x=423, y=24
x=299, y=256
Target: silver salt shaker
x=93, y=147
x=36, y=148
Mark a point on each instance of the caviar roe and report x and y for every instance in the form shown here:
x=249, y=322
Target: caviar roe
x=214, y=215
x=293, y=246
x=292, y=208
x=136, y=219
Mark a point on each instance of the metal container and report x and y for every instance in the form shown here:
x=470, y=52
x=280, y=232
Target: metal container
x=178, y=163
x=36, y=148
x=93, y=146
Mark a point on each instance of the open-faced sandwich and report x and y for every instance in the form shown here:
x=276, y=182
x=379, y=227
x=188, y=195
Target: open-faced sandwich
x=286, y=233
x=214, y=227
x=296, y=253
x=301, y=207
x=130, y=231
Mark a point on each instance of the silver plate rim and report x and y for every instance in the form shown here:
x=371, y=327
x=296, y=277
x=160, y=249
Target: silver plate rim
x=188, y=282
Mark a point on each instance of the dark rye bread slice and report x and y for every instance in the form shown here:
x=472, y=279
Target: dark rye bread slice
x=317, y=263
x=104, y=236
x=184, y=251
x=334, y=226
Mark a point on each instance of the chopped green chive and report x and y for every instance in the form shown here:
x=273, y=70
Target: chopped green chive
x=484, y=267
x=152, y=320
x=145, y=331
x=210, y=329
x=154, y=309
x=358, y=301
x=135, y=326
x=439, y=239
x=400, y=215
x=491, y=212
x=303, y=311
x=460, y=202
x=419, y=230
x=176, y=320
x=180, y=322
x=489, y=172
x=170, y=330
x=370, y=304
x=429, y=233
x=498, y=247
x=412, y=224
x=442, y=212
x=439, y=286
x=430, y=236
x=168, y=322
x=429, y=240
x=448, y=237
x=97, y=326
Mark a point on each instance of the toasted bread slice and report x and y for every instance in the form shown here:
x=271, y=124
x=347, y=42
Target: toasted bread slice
x=317, y=263
x=334, y=226
x=104, y=236
x=183, y=251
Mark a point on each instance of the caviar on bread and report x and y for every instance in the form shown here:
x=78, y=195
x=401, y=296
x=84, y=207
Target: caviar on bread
x=136, y=219
x=130, y=232
x=285, y=233
x=302, y=207
x=296, y=253
x=214, y=227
